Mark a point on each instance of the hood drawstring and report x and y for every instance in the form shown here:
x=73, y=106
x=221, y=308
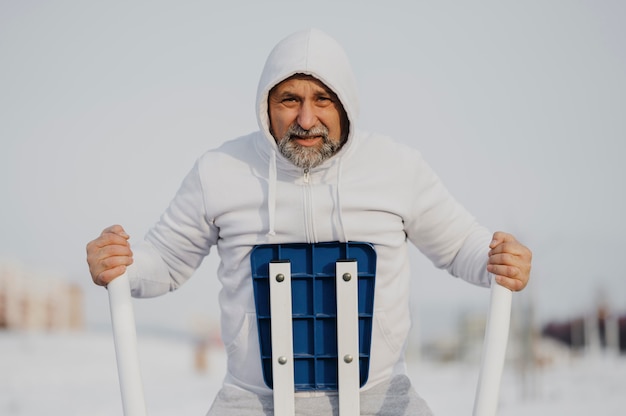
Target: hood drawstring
x=339, y=207
x=271, y=194
x=271, y=197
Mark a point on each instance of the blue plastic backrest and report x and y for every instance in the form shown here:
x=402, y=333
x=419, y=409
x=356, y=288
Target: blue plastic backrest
x=314, y=308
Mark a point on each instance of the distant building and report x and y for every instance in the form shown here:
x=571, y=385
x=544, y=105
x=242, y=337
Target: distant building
x=604, y=330
x=30, y=301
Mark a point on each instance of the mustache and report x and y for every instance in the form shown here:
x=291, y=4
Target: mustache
x=297, y=130
x=303, y=156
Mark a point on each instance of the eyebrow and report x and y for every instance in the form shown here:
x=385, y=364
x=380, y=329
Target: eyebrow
x=290, y=94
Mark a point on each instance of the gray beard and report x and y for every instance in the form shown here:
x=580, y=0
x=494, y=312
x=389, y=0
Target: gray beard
x=307, y=157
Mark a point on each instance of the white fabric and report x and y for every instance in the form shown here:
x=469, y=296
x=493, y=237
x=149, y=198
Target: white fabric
x=246, y=193
x=394, y=398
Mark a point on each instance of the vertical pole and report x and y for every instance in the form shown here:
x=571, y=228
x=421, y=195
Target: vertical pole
x=348, y=337
x=283, y=383
x=125, y=339
x=494, y=350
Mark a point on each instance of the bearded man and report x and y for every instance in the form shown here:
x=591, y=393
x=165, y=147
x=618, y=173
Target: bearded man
x=310, y=176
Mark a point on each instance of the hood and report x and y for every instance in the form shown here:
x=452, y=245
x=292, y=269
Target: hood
x=314, y=53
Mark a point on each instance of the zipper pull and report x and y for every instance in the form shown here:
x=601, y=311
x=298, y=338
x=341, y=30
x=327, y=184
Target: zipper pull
x=306, y=175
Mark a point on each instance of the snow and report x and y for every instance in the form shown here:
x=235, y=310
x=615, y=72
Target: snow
x=75, y=374
x=583, y=386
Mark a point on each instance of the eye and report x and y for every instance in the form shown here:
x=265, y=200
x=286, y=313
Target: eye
x=289, y=100
x=324, y=100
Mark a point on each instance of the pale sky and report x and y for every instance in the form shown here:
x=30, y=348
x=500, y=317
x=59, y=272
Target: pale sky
x=519, y=107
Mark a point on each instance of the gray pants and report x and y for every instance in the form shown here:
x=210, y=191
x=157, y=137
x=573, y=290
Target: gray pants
x=396, y=398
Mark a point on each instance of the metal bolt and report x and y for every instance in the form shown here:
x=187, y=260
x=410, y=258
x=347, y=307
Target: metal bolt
x=280, y=277
x=282, y=360
x=347, y=358
x=347, y=277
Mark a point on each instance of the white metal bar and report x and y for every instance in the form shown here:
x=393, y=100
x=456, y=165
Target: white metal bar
x=282, y=338
x=348, y=337
x=125, y=339
x=494, y=350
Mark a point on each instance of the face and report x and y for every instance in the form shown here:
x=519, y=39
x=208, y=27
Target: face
x=307, y=120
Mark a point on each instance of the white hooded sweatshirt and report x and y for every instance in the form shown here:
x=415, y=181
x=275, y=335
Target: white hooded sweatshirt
x=245, y=193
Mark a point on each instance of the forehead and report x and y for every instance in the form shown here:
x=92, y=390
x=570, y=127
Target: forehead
x=298, y=79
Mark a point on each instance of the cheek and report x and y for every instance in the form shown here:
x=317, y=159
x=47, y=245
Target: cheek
x=276, y=131
x=334, y=128
x=279, y=124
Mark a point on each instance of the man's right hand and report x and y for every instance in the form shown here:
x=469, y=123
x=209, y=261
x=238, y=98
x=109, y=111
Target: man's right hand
x=109, y=255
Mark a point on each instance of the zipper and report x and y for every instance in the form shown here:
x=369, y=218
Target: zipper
x=306, y=175
x=308, y=208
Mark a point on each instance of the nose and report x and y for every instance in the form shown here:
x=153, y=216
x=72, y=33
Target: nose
x=307, y=118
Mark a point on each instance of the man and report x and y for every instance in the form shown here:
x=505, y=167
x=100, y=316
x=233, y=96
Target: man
x=310, y=176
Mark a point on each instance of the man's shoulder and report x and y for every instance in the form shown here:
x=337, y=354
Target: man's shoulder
x=242, y=142
x=241, y=147
x=381, y=144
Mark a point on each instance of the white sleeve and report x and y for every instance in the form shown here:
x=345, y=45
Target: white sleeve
x=148, y=275
x=442, y=229
x=470, y=263
x=176, y=245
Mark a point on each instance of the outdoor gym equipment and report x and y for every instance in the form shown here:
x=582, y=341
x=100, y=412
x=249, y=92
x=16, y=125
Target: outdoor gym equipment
x=330, y=327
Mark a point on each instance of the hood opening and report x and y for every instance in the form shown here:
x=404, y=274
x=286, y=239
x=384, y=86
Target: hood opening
x=314, y=53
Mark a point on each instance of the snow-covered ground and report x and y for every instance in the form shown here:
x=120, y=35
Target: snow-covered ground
x=75, y=374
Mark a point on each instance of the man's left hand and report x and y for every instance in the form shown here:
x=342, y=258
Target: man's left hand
x=509, y=261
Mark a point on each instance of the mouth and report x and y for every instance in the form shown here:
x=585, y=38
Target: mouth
x=307, y=141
